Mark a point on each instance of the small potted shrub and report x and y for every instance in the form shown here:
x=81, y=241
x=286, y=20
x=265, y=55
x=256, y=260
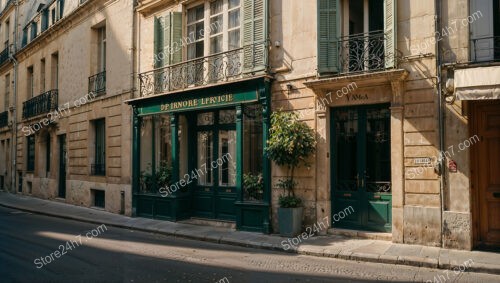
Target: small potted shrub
x=290, y=143
x=254, y=186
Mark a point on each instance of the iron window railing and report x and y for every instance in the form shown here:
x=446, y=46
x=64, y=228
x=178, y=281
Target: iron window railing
x=485, y=49
x=362, y=52
x=221, y=67
x=98, y=169
x=40, y=104
x=4, y=55
x=97, y=83
x=4, y=119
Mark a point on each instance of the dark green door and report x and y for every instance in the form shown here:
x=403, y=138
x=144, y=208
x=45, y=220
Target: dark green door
x=214, y=165
x=361, y=168
x=62, y=166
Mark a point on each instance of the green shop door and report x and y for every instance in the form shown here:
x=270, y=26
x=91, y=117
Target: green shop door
x=214, y=166
x=361, y=168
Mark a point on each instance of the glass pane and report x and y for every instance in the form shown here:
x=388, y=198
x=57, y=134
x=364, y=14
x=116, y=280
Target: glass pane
x=216, y=24
x=205, y=119
x=191, y=51
x=233, y=3
x=164, y=141
x=253, y=185
x=234, y=39
x=199, y=31
x=378, y=151
x=199, y=49
x=183, y=147
x=216, y=7
x=227, y=158
x=234, y=18
x=346, y=127
x=146, y=156
x=195, y=14
x=227, y=116
x=216, y=44
x=204, y=156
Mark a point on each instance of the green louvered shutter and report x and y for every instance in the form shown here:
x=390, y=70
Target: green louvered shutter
x=176, y=37
x=159, y=56
x=390, y=33
x=328, y=28
x=254, y=35
x=167, y=38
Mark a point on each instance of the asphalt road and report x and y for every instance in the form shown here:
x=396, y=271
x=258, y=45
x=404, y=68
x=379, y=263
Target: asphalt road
x=36, y=248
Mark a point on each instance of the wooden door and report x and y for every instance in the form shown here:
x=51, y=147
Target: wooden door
x=486, y=122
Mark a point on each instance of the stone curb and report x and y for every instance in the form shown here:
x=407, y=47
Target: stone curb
x=344, y=255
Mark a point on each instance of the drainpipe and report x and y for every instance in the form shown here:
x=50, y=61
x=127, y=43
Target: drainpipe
x=14, y=93
x=440, y=165
x=133, y=90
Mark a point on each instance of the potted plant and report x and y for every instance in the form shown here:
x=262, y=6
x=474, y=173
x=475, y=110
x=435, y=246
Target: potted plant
x=254, y=186
x=163, y=178
x=290, y=143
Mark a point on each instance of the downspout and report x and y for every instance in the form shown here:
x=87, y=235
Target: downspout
x=14, y=93
x=133, y=90
x=440, y=165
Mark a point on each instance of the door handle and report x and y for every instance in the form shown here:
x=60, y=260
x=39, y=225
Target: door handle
x=496, y=194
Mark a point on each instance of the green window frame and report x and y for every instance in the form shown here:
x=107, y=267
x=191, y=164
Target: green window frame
x=30, y=153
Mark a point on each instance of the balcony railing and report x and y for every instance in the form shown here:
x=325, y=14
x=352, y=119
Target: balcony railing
x=97, y=83
x=4, y=119
x=485, y=49
x=217, y=68
x=362, y=52
x=40, y=104
x=98, y=169
x=4, y=55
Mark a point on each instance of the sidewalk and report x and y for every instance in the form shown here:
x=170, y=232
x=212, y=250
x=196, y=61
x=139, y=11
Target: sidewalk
x=324, y=246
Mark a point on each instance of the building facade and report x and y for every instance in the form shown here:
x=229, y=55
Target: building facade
x=164, y=111
x=72, y=127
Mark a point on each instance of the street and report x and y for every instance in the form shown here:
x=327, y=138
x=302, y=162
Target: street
x=36, y=248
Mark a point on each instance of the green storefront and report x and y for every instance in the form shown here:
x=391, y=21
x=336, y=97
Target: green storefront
x=200, y=154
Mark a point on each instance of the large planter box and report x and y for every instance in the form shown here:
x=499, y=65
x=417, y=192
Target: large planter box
x=290, y=221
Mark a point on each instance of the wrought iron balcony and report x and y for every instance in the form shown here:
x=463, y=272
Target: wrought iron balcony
x=4, y=55
x=217, y=68
x=97, y=83
x=4, y=119
x=40, y=104
x=485, y=49
x=98, y=169
x=362, y=52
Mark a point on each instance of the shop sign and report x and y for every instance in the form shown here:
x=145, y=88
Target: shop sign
x=193, y=103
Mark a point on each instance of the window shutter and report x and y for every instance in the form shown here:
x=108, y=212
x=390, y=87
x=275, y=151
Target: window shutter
x=176, y=38
x=167, y=38
x=390, y=33
x=327, y=36
x=159, y=56
x=254, y=35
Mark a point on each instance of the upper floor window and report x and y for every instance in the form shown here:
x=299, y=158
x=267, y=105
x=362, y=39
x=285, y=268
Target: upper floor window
x=7, y=92
x=7, y=32
x=356, y=35
x=54, y=70
x=101, y=49
x=223, y=22
x=484, y=22
x=30, y=153
x=30, y=82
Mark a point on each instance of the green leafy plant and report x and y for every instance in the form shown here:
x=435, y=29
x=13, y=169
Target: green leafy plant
x=254, y=186
x=163, y=177
x=290, y=143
